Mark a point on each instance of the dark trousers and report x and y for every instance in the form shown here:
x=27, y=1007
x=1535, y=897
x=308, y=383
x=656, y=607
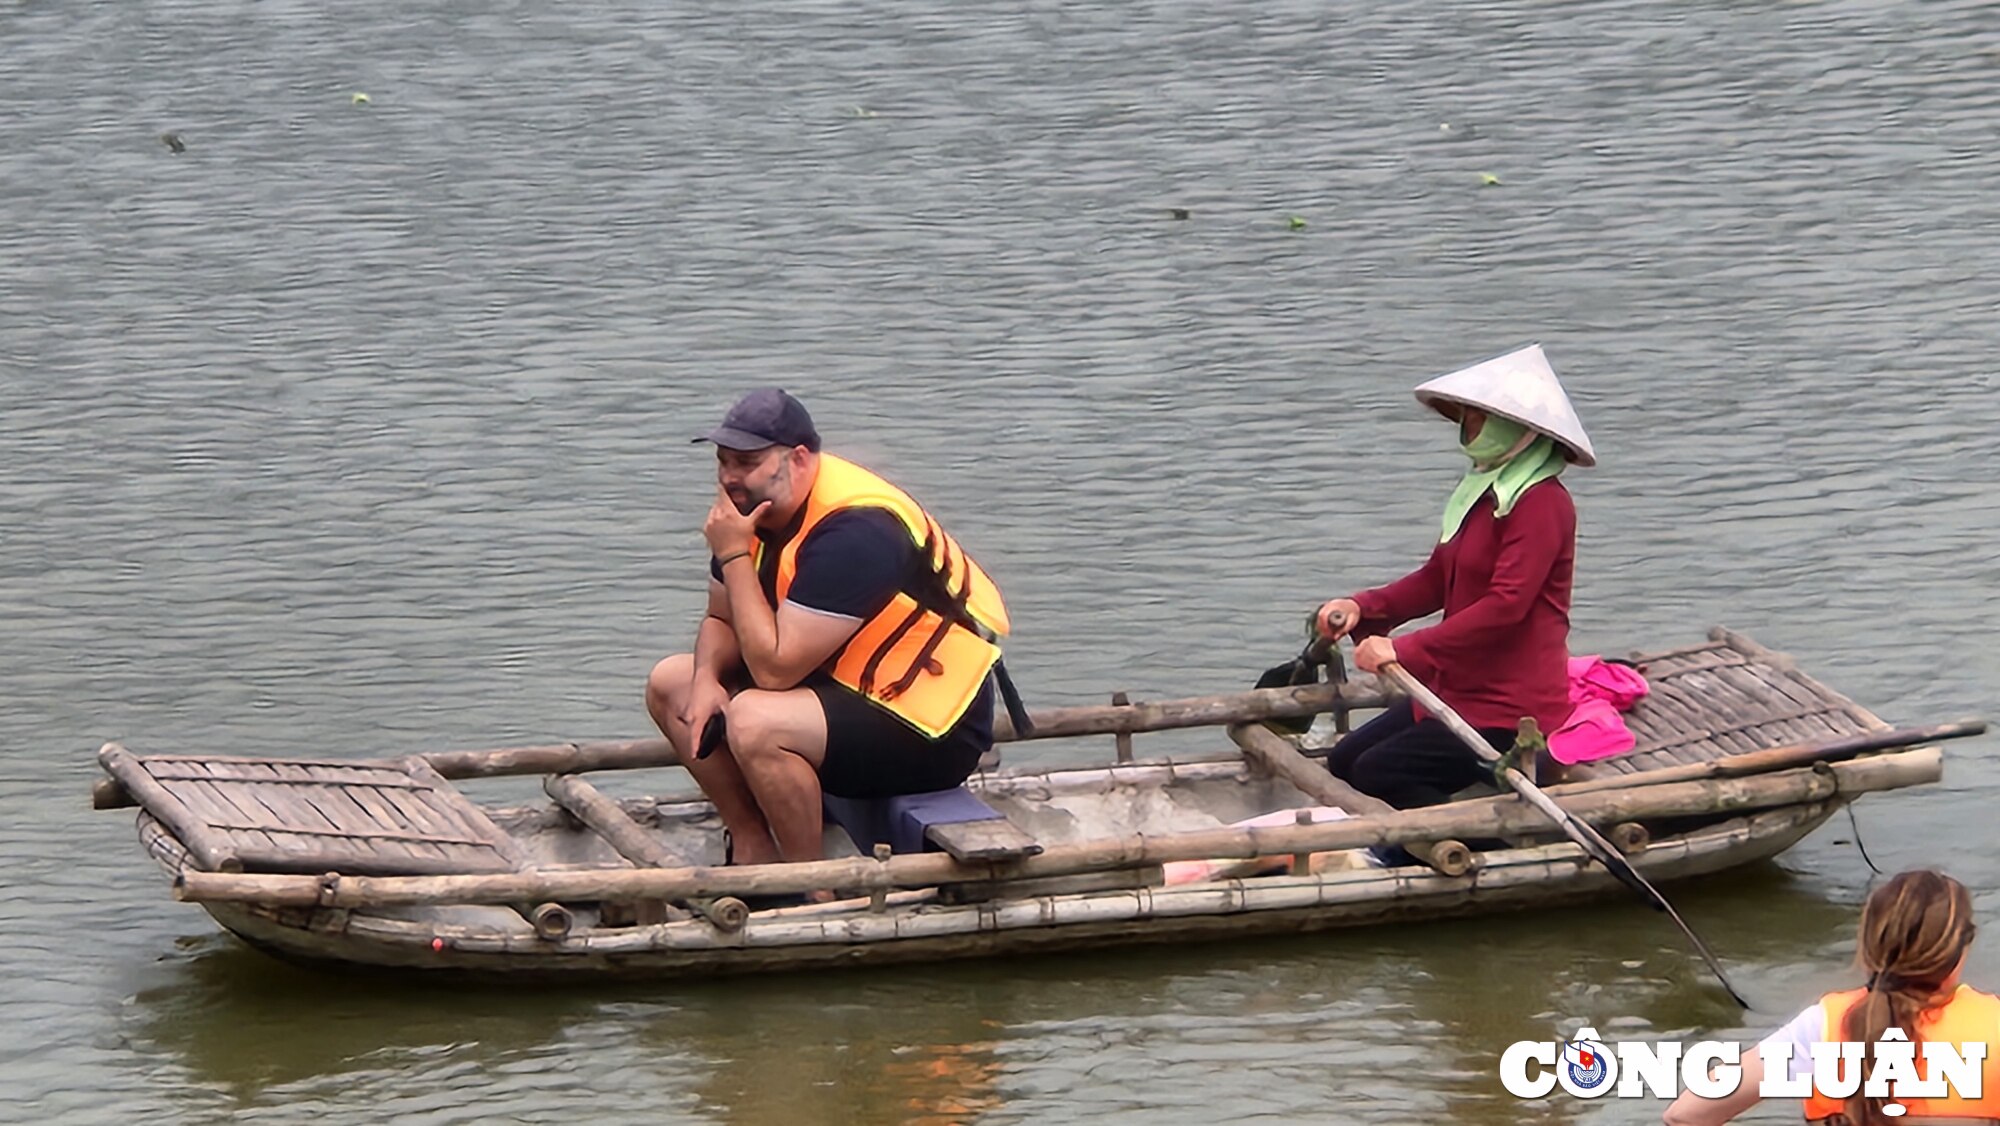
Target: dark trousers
x=1408, y=763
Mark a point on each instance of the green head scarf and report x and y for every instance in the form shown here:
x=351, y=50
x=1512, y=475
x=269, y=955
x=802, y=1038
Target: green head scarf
x=1538, y=461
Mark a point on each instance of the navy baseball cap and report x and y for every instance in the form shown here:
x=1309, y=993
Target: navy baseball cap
x=763, y=418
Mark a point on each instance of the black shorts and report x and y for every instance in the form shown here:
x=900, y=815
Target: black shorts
x=872, y=754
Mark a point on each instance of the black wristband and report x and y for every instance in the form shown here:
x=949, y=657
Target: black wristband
x=730, y=558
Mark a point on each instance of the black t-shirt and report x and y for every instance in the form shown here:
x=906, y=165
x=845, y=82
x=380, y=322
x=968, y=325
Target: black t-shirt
x=851, y=564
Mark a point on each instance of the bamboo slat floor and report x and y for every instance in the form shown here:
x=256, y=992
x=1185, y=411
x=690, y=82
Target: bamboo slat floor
x=279, y=816
x=1726, y=696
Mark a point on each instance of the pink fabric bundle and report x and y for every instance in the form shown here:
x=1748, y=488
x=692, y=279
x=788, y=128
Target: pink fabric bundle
x=1599, y=690
x=1194, y=871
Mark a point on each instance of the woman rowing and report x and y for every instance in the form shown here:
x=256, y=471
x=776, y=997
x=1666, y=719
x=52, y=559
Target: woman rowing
x=1501, y=573
x=1915, y=932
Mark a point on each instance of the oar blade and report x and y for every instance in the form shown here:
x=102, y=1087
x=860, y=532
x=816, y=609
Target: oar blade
x=1604, y=852
x=1587, y=838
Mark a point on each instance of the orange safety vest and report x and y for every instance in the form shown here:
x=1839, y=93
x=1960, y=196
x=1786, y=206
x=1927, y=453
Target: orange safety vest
x=1969, y=1017
x=925, y=656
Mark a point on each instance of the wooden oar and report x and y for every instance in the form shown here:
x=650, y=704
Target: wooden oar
x=1838, y=749
x=1586, y=838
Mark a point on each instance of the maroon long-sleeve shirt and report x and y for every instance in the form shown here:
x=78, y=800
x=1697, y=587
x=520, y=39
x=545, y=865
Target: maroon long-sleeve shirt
x=1502, y=649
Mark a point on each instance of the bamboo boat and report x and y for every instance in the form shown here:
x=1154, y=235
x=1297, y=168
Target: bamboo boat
x=385, y=863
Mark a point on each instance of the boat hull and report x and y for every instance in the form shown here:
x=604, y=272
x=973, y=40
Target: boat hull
x=1510, y=880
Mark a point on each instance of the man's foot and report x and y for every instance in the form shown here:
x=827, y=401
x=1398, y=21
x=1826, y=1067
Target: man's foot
x=765, y=852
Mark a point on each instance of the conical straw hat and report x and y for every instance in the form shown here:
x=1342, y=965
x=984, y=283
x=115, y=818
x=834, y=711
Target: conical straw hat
x=1521, y=386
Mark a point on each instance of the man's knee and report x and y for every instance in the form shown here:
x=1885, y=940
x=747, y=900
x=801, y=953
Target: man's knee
x=751, y=720
x=773, y=727
x=670, y=680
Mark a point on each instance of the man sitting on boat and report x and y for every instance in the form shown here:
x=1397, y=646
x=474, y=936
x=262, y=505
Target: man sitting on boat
x=849, y=644
x=1501, y=573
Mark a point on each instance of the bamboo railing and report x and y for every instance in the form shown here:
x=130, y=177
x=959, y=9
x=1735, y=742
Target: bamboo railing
x=1486, y=817
x=1050, y=723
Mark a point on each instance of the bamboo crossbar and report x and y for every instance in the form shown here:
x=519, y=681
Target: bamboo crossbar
x=1486, y=817
x=1050, y=723
x=607, y=819
x=1249, y=706
x=1276, y=754
x=1270, y=751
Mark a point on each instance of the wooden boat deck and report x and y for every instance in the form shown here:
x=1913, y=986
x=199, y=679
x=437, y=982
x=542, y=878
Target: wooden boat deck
x=1726, y=696
x=271, y=815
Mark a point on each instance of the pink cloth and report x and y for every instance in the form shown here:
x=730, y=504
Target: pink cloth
x=1599, y=690
x=1596, y=678
x=1194, y=871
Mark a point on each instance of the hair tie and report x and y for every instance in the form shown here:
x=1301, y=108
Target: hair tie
x=1883, y=981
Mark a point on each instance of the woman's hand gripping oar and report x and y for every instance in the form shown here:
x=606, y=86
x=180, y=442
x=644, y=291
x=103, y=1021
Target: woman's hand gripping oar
x=1587, y=838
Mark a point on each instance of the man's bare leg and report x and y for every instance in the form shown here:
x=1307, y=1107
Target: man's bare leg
x=779, y=740
x=717, y=775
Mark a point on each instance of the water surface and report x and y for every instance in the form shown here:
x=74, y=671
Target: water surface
x=361, y=428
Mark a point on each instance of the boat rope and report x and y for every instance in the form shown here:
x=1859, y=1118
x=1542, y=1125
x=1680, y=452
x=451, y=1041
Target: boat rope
x=1856, y=826
x=1853, y=824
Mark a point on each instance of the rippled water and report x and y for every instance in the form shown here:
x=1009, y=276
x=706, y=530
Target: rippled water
x=360, y=428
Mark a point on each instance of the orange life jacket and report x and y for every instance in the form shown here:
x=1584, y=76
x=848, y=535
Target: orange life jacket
x=925, y=656
x=1969, y=1017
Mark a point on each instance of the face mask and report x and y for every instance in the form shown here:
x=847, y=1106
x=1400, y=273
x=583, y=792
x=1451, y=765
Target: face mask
x=1494, y=439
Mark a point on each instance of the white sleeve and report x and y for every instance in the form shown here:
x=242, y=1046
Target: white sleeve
x=1801, y=1033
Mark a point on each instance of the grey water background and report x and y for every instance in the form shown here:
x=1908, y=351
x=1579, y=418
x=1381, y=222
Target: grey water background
x=361, y=428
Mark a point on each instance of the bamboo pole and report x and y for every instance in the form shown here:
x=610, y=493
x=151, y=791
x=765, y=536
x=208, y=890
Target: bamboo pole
x=1199, y=711
x=1273, y=752
x=607, y=820
x=575, y=758
x=1268, y=749
x=1050, y=723
x=552, y=921
x=1781, y=758
x=1486, y=817
x=203, y=843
